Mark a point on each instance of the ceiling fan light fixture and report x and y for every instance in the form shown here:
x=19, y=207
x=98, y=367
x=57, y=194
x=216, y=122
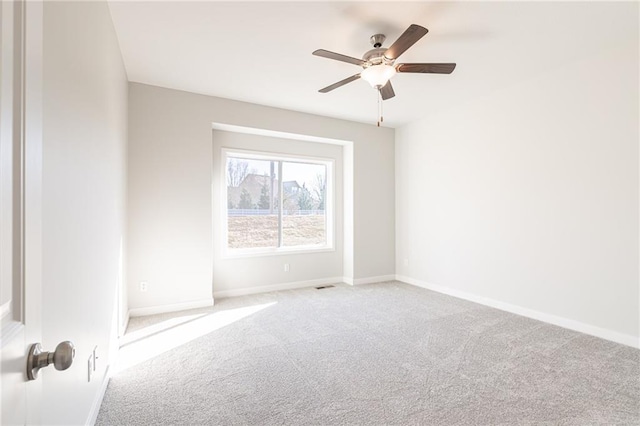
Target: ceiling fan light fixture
x=378, y=75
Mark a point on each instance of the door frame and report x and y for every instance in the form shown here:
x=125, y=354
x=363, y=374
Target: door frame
x=21, y=79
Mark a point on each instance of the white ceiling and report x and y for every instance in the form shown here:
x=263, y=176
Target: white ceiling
x=260, y=52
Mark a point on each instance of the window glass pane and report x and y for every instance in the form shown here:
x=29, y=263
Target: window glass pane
x=304, y=194
x=252, y=203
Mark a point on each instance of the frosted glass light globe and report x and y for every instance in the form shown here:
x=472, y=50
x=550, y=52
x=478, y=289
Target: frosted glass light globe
x=378, y=75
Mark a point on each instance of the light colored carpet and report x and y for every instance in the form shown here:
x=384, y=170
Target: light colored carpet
x=384, y=353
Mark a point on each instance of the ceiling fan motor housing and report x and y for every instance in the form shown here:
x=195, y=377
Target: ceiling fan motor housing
x=376, y=56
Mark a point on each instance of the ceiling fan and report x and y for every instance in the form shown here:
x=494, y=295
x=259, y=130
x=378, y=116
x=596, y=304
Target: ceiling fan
x=379, y=63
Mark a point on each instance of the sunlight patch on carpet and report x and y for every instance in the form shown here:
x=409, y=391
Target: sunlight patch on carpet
x=160, y=338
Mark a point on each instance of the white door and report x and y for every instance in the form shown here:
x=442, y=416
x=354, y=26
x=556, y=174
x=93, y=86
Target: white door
x=20, y=213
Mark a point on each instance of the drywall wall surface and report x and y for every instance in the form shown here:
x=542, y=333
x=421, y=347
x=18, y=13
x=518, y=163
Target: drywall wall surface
x=84, y=185
x=347, y=209
x=233, y=273
x=529, y=196
x=170, y=226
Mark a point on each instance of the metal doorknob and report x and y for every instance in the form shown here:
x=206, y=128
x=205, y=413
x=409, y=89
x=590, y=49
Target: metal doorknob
x=61, y=358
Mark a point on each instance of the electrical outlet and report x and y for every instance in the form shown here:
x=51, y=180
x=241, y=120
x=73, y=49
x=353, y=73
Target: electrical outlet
x=406, y=262
x=144, y=286
x=286, y=267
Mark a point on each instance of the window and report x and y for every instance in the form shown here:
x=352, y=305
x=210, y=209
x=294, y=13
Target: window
x=277, y=203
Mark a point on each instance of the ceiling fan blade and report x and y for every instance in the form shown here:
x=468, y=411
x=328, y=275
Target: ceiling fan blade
x=405, y=41
x=340, y=83
x=426, y=68
x=387, y=91
x=338, y=57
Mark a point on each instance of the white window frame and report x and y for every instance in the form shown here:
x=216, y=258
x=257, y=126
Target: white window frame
x=330, y=213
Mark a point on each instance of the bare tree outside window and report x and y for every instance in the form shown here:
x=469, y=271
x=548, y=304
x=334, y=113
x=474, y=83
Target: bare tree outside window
x=237, y=170
x=320, y=190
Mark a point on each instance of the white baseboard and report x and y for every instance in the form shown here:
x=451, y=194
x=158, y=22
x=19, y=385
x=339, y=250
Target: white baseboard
x=581, y=327
x=126, y=323
x=97, y=402
x=124, y=328
x=276, y=287
x=347, y=280
x=161, y=309
x=373, y=280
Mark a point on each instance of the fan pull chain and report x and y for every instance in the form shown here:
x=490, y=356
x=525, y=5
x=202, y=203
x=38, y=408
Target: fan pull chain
x=378, y=96
x=380, y=118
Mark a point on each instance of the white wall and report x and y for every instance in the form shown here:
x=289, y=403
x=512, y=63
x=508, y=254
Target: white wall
x=170, y=218
x=84, y=165
x=233, y=273
x=529, y=196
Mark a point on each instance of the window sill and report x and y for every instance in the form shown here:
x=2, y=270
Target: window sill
x=239, y=253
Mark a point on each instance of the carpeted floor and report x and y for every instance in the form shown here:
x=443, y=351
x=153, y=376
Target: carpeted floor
x=385, y=353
